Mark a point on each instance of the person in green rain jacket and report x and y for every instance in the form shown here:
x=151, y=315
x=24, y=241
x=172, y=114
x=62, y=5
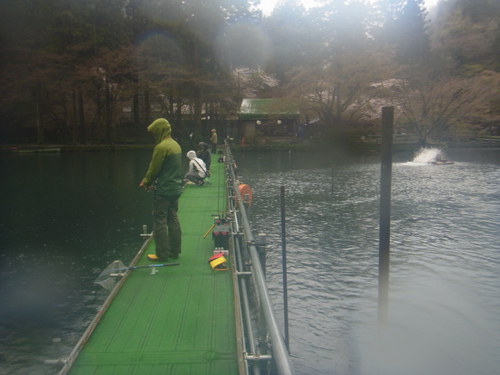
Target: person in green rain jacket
x=164, y=176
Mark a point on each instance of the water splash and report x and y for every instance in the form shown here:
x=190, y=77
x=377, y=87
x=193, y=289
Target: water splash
x=427, y=155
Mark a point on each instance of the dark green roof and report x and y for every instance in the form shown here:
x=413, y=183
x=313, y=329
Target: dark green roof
x=255, y=109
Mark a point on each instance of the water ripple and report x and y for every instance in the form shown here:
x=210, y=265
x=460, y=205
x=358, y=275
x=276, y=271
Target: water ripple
x=444, y=300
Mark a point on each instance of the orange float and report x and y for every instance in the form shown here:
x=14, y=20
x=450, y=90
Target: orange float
x=245, y=190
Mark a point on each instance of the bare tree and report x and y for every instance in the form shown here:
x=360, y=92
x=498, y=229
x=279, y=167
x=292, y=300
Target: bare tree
x=435, y=109
x=338, y=91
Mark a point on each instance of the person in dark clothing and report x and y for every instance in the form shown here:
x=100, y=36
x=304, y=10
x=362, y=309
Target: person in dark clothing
x=204, y=154
x=164, y=176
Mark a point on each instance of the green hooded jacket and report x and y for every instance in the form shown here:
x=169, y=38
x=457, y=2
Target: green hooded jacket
x=165, y=168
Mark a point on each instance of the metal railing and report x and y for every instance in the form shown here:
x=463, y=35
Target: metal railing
x=242, y=235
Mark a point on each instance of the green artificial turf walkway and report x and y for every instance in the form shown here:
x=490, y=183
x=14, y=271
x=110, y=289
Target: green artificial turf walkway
x=180, y=320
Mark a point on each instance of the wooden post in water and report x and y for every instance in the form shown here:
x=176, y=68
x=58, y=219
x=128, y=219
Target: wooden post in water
x=385, y=214
x=283, y=253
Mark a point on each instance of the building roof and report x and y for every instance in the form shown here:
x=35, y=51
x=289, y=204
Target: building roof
x=255, y=109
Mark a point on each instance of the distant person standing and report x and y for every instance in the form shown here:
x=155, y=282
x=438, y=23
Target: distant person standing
x=213, y=141
x=165, y=177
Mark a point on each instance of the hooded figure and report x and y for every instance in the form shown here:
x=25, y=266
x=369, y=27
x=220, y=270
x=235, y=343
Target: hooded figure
x=165, y=169
x=197, y=169
x=165, y=176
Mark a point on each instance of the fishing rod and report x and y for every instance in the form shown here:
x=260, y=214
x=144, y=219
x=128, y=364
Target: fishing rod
x=117, y=268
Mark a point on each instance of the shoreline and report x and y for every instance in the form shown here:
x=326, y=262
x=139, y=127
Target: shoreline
x=361, y=147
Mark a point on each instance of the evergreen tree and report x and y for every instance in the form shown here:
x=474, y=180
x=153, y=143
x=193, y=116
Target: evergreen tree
x=414, y=41
x=478, y=10
x=404, y=25
x=290, y=36
x=467, y=38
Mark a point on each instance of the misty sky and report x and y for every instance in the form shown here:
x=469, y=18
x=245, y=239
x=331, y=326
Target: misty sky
x=268, y=5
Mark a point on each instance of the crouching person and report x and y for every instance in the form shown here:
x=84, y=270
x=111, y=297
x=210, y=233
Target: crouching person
x=197, y=169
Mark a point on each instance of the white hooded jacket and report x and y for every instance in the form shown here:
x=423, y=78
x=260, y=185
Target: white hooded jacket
x=196, y=165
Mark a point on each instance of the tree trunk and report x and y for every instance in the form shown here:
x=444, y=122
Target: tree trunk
x=109, y=118
x=137, y=117
x=197, y=113
x=83, y=135
x=147, y=107
x=338, y=110
x=74, y=117
x=39, y=119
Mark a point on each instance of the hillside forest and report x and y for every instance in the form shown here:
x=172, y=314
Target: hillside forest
x=76, y=72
